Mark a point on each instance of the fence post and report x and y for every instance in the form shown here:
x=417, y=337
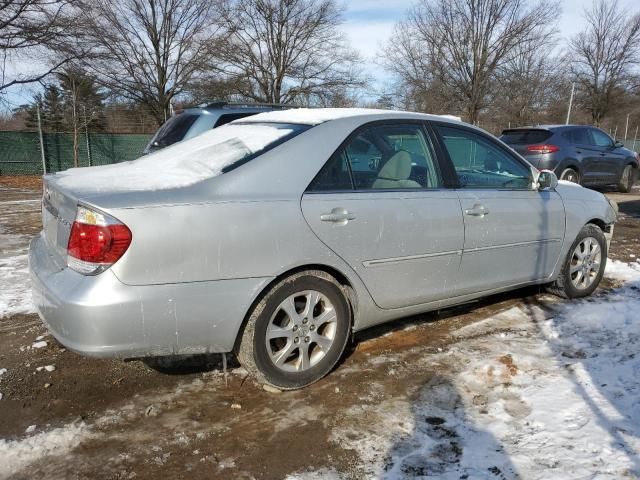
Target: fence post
x=44, y=162
x=86, y=134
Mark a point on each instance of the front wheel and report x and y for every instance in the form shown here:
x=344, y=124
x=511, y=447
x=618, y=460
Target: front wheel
x=584, y=265
x=626, y=180
x=297, y=332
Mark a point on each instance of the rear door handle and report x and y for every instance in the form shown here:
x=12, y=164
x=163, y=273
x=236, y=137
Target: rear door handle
x=478, y=210
x=338, y=215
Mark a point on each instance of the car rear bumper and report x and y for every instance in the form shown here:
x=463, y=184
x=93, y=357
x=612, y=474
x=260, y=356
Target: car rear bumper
x=102, y=317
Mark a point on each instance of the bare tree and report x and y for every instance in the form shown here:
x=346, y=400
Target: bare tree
x=79, y=92
x=30, y=25
x=285, y=51
x=603, y=56
x=463, y=42
x=528, y=83
x=148, y=51
x=417, y=87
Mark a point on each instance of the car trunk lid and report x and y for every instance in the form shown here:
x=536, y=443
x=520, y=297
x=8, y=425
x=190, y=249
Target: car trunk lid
x=58, y=213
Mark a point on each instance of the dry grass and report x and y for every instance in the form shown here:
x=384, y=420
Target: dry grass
x=29, y=182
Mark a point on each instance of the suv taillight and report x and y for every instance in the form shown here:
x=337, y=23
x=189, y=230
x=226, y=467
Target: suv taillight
x=543, y=148
x=96, y=242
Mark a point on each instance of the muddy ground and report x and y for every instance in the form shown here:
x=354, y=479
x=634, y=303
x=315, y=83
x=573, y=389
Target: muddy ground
x=190, y=420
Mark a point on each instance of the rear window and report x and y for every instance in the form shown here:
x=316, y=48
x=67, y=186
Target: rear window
x=213, y=153
x=173, y=130
x=525, y=137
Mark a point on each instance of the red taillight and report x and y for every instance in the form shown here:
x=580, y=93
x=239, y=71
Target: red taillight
x=97, y=243
x=543, y=148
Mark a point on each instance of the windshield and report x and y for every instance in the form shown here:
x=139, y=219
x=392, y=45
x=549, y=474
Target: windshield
x=185, y=163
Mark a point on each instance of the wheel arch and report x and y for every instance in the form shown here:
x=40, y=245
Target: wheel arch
x=598, y=222
x=569, y=163
x=346, y=285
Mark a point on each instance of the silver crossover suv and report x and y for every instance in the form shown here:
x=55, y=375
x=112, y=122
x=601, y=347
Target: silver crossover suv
x=278, y=235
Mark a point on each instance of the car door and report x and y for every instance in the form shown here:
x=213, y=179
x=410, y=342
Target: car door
x=379, y=203
x=610, y=158
x=513, y=232
x=607, y=164
x=585, y=154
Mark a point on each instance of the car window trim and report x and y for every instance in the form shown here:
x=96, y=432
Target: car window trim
x=444, y=177
x=490, y=140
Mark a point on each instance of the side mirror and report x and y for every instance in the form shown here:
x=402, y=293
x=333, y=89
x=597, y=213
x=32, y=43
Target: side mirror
x=618, y=144
x=547, y=180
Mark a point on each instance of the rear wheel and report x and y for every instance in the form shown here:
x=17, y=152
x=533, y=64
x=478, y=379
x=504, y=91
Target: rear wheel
x=570, y=175
x=298, y=331
x=584, y=265
x=627, y=179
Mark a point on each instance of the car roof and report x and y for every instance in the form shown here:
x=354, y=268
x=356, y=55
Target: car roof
x=315, y=116
x=547, y=127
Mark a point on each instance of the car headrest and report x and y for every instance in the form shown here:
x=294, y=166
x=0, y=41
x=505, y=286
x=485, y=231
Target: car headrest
x=398, y=167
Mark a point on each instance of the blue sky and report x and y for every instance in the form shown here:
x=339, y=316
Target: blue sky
x=369, y=24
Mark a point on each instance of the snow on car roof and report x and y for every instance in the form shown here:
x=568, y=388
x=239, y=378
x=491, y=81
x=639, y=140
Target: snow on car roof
x=315, y=116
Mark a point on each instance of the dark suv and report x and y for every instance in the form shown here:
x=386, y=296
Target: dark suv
x=193, y=121
x=578, y=153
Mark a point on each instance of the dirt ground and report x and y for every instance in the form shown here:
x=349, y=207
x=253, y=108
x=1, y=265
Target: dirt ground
x=190, y=419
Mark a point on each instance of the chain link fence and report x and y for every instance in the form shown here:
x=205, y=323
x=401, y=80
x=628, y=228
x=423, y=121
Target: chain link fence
x=26, y=153
x=23, y=153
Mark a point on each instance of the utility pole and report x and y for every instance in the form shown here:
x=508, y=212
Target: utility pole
x=44, y=162
x=626, y=128
x=615, y=133
x=634, y=139
x=573, y=87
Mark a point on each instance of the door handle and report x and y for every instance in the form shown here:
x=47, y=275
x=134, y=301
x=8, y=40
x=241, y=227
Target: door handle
x=478, y=210
x=338, y=215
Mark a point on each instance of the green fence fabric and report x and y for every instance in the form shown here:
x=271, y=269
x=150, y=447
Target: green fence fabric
x=20, y=151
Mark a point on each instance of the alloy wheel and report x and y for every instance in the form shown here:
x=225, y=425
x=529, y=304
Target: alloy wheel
x=585, y=263
x=301, y=331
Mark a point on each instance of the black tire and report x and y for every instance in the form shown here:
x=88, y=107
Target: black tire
x=626, y=179
x=563, y=286
x=252, y=350
x=570, y=175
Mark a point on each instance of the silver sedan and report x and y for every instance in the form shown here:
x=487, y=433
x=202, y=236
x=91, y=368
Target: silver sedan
x=279, y=235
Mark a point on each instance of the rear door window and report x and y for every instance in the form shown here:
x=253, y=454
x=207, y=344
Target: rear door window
x=390, y=156
x=230, y=117
x=579, y=136
x=525, y=137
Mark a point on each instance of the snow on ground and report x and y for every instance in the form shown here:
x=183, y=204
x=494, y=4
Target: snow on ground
x=17, y=454
x=15, y=287
x=528, y=393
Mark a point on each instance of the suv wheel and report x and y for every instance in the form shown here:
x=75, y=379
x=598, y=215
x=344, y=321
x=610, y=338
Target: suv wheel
x=626, y=180
x=570, y=175
x=298, y=331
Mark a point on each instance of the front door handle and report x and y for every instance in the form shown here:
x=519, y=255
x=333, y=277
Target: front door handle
x=478, y=210
x=338, y=215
